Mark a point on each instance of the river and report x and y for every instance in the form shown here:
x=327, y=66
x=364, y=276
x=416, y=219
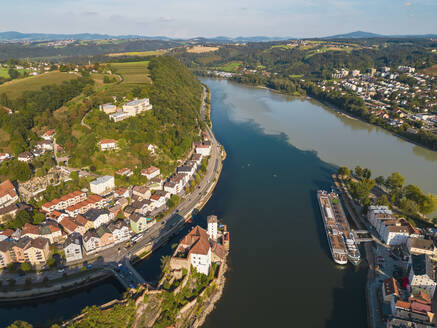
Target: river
x=280, y=151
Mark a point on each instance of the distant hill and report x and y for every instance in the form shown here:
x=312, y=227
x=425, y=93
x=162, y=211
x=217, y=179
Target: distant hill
x=367, y=35
x=18, y=36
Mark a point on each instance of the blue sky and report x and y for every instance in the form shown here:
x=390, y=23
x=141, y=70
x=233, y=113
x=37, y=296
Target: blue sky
x=189, y=18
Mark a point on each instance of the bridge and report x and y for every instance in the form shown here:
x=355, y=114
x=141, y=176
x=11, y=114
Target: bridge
x=126, y=274
x=362, y=236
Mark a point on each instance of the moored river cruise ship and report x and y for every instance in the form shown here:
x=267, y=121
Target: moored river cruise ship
x=340, y=239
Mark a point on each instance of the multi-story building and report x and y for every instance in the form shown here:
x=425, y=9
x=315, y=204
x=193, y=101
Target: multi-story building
x=421, y=274
x=73, y=247
x=102, y=185
x=420, y=246
x=37, y=253
x=137, y=106
x=98, y=216
x=119, y=230
x=140, y=223
x=5, y=253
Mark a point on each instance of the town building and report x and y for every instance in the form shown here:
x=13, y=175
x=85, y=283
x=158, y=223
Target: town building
x=106, y=239
x=73, y=248
x=125, y=172
x=37, y=253
x=137, y=106
x=119, y=230
x=420, y=246
x=5, y=254
x=108, y=108
x=98, y=216
x=390, y=290
x=212, y=227
x=91, y=241
x=102, y=185
x=48, y=135
x=150, y=172
x=142, y=192
x=421, y=274
x=203, y=148
x=140, y=223
x=108, y=144
x=27, y=157
x=8, y=194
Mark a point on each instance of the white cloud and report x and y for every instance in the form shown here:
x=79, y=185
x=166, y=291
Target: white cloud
x=408, y=3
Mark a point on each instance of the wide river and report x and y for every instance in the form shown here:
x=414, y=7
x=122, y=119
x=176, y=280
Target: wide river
x=280, y=151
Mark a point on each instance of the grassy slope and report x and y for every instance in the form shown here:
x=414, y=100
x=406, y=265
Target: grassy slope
x=14, y=88
x=132, y=72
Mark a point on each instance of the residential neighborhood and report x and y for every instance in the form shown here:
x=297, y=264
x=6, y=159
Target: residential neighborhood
x=85, y=222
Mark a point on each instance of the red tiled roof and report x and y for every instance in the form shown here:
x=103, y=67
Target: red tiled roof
x=107, y=141
x=30, y=229
x=6, y=187
x=404, y=305
x=149, y=170
x=68, y=224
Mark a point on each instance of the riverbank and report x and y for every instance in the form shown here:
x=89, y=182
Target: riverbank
x=334, y=107
x=354, y=211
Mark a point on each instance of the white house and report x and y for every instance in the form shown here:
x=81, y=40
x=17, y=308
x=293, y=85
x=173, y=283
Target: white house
x=98, y=216
x=395, y=234
x=73, y=247
x=119, y=230
x=91, y=242
x=108, y=144
x=102, y=185
x=48, y=135
x=4, y=156
x=118, y=116
x=376, y=214
x=212, y=227
x=137, y=106
x=203, y=148
x=27, y=156
x=421, y=274
x=151, y=172
x=158, y=200
x=172, y=187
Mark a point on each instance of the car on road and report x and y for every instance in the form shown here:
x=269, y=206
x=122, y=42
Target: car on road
x=61, y=270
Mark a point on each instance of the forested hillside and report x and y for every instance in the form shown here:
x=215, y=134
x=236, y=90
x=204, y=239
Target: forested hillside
x=314, y=59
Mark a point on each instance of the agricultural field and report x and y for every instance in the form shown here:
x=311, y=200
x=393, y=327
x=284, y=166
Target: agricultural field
x=201, y=49
x=431, y=70
x=132, y=72
x=231, y=66
x=16, y=87
x=158, y=52
x=4, y=72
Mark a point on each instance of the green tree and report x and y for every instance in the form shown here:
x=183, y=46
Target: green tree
x=25, y=267
x=395, y=181
x=344, y=171
x=13, y=73
x=38, y=217
x=20, y=324
x=380, y=180
x=359, y=171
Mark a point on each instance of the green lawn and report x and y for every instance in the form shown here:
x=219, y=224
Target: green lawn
x=14, y=88
x=4, y=72
x=133, y=72
x=231, y=66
